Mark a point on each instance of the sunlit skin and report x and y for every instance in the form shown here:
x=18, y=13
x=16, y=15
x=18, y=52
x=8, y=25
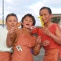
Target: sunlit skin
x=11, y=22
x=27, y=22
x=46, y=16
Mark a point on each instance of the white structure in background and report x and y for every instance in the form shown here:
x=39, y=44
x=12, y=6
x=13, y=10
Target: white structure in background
x=58, y=16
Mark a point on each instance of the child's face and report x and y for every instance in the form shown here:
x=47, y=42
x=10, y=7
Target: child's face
x=11, y=22
x=46, y=16
x=27, y=22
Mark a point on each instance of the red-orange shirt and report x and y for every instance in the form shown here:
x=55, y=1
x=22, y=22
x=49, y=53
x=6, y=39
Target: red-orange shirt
x=44, y=37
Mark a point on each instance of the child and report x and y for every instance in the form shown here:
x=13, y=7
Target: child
x=50, y=35
x=24, y=40
x=5, y=52
x=11, y=24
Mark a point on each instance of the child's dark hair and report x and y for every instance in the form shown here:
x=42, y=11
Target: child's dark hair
x=49, y=10
x=29, y=15
x=11, y=14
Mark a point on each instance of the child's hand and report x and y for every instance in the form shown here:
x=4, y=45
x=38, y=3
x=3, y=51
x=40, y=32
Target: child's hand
x=46, y=43
x=12, y=33
x=11, y=36
x=46, y=31
x=33, y=27
x=12, y=30
x=39, y=40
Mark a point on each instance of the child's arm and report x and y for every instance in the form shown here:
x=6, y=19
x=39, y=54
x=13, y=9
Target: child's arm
x=36, y=49
x=56, y=36
x=11, y=36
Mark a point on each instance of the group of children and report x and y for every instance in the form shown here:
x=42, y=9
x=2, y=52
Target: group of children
x=19, y=44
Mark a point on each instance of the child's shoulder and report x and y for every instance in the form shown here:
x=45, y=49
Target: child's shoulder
x=56, y=25
x=18, y=30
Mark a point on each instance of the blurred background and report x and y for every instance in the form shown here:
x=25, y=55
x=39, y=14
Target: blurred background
x=22, y=7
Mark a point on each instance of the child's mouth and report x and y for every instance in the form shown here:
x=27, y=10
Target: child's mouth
x=27, y=24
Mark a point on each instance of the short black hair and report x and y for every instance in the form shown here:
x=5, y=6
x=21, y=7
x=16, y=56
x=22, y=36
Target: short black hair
x=11, y=14
x=29, y=15
x=49, y=10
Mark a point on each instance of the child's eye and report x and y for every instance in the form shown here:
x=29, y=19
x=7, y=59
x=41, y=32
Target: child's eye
x=30, y=20
x=9, y=21
x=26, y=20
x=14, y=20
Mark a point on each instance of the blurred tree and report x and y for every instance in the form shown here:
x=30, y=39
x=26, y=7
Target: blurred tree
x=55, y=19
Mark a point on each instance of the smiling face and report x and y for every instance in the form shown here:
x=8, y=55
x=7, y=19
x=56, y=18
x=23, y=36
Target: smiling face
x=46, y=16
x=27, y=22
x=11, y=22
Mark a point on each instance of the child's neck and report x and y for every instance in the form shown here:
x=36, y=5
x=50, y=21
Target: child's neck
x=48, y=24
x=26, y=29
